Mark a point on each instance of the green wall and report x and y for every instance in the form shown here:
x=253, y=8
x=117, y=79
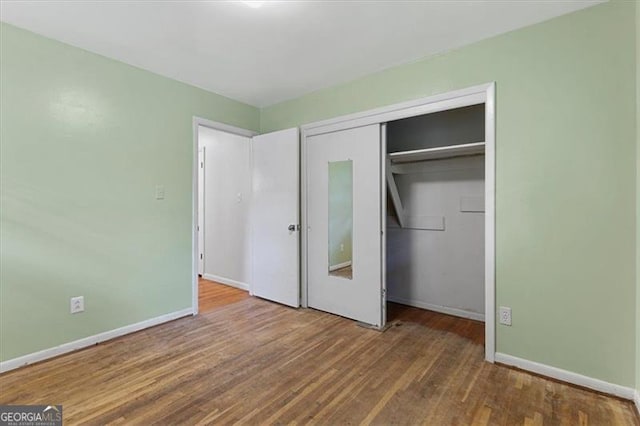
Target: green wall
x=84, y=141
x=340, y=212
x=638, y=196
x=565, y=190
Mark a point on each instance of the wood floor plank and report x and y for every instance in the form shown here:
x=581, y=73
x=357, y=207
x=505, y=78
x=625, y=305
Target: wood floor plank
x=212, y=295
x=249, y=361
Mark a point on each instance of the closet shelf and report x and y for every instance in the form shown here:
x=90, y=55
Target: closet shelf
x=437, y=153
x=440, y=152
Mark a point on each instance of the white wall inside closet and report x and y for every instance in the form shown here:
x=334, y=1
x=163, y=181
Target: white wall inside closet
x=227, y=189
x=441, y=268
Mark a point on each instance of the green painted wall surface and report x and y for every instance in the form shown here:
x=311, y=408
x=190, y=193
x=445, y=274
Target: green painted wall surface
x=638, y=196
x=340, y=212
x=565, y=187
x=84, y=141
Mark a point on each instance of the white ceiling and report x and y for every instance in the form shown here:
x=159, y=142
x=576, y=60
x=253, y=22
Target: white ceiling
x=281, y=50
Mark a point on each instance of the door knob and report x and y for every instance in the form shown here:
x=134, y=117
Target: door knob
x=292, y=228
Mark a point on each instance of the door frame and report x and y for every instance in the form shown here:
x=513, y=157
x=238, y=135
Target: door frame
x=198, y=122
x=200, y=225
x=480, y=94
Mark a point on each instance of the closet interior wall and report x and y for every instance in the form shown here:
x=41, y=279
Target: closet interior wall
x=436, y=261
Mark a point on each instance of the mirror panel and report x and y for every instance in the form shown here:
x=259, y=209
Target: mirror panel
x=341, y=219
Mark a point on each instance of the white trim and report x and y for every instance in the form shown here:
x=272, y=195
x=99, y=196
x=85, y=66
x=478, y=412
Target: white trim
x=384, y=163
x=197, y=122
x=226, y=281
x=455, y=99
x=637, y=400
x=250, y=225
x=484, y=93
x=215, y=125
x=42, y=355
x=437, y=308
x=490, y=223
x=567, y=376
x=202, y=153
x=339, y=266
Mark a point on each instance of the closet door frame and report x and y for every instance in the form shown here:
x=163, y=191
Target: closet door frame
x=480, y=94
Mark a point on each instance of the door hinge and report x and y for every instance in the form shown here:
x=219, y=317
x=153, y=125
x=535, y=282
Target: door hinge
x=200, y=255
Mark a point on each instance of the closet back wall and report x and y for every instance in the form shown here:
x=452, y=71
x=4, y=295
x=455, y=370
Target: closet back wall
x=432, y=269
x=452, y=127
x=565, y=177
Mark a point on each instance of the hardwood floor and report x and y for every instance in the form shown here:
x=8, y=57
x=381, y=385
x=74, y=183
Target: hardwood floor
x=256, y=362
x=212, y=295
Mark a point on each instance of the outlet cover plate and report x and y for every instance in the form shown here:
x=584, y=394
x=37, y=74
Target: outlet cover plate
x=505, y=315
x=76, y=304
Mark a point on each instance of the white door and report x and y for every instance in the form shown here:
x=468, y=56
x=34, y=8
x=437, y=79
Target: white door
x=275, y=265
x=351, y=285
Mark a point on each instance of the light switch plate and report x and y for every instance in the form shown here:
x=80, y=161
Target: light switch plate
x=159, y=192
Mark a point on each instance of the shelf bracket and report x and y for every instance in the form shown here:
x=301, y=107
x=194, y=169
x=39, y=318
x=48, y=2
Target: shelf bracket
x=395, y=195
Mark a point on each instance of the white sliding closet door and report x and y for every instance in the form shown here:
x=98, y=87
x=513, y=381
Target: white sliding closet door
x=275, y=206
x=344, y=224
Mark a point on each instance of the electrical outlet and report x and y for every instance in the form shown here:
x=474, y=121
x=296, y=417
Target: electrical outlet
x=76, y=304
x=505, y=315
x=341, y=247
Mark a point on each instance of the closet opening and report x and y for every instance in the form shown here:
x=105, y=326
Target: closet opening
x=422, y=218
x=435, y=232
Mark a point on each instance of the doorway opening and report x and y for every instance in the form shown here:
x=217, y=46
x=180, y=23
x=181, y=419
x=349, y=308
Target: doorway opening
x=222, y=190
x=246, y=206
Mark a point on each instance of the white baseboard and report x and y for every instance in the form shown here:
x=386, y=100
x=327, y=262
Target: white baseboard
x=34, y=357
x=226, y=281
x=339, y=266
x=637, y=400
x=437, y=308
x=568, y=376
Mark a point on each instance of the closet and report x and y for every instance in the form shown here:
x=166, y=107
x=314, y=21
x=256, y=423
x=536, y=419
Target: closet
x=435, y=242
x=398, y=205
